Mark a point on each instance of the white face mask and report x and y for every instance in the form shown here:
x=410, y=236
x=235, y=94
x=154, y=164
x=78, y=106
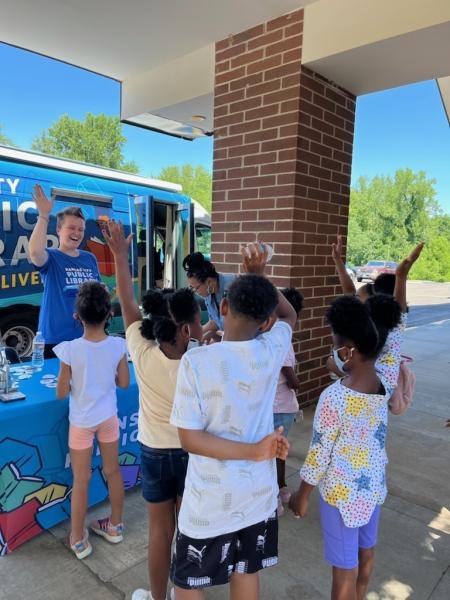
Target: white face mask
x=340, y=364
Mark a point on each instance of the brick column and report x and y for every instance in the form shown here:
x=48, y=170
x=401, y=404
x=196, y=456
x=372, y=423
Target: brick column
x=281, y=172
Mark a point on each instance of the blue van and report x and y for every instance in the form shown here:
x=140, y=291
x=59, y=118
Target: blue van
x=163, y=222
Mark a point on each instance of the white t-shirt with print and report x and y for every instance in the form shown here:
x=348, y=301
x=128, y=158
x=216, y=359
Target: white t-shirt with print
x=94, y=365
x=228, y=389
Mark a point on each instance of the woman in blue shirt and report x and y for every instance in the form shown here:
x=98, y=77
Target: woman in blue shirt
x=204, y=280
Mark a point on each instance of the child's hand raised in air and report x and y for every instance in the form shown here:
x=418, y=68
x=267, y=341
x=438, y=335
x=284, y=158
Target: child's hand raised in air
x=336, y=249
x=274, y=445
x=254, y=258
x=405, y=266
x=115, y=237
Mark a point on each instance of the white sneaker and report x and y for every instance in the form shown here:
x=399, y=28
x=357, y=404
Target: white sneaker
x=141, y=594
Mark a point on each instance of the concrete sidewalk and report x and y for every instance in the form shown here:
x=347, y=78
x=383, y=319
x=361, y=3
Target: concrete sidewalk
x=413, y=553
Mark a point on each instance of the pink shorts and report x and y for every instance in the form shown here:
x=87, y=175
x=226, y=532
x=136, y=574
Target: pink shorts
x=81, y=438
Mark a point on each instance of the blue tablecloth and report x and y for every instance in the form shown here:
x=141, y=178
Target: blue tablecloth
x=35, y=473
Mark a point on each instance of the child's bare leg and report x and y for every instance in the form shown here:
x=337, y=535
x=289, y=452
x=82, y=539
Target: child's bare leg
x=244, y=586
x=344, y=584
x=110, y=458
x=182, y=594
x=81, y=468
x=161, y=521
x=366, y=562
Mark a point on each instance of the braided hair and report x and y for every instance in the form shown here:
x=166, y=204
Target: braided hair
x=165, y=310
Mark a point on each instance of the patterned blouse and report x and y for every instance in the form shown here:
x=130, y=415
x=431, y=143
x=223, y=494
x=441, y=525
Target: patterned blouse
x=347, y=456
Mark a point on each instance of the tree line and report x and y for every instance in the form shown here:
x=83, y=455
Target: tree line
x=388, y=214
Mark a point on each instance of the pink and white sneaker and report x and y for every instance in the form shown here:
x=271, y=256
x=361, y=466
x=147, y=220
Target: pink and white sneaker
x=104, y=528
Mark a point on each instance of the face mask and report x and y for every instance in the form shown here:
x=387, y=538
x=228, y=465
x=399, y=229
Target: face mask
x=340, y=364
x=192, y=344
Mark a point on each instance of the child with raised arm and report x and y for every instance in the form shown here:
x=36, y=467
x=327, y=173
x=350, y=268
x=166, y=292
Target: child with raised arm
x=90, y=369
x=395, y=338
x=347, y=456
x=62, y=270
x=223, y=409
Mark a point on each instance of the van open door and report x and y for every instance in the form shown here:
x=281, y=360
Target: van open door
x=165, y=234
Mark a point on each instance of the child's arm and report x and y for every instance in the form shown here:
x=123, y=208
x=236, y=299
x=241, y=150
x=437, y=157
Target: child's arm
x=201, y=442
x=37, y=245
x=254, y=261
x=347, y=285
x=291, y=378
x=401, y=275
x=123, y=373
x=300, y=499
x=119, y=246
x=326, y=428
x=63, y=385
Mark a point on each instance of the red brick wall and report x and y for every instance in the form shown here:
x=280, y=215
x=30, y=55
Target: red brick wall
x=281, y=172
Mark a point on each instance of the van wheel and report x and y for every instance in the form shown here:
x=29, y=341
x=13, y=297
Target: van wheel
x=18, y=332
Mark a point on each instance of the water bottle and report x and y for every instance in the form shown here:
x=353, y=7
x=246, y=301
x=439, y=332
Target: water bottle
x=267, y=247
x=4, y=371
x=37, y=356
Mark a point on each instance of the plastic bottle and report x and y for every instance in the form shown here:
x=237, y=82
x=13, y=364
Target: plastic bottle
x=267, y=247
x=37, y=356
x=3, y=369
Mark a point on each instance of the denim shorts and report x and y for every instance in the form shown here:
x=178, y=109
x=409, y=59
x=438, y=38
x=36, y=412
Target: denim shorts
x=285, y=419
x=341, y=543
x=163, y=471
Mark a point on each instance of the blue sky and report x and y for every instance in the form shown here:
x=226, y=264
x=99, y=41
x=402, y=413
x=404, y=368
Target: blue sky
x=398, y=128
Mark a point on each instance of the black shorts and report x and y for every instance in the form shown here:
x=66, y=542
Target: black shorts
x=199, y=563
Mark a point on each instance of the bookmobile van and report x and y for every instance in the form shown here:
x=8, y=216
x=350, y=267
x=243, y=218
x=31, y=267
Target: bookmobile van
x=166, y=225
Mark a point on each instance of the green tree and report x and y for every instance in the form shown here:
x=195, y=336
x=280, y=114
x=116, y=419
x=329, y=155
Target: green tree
x=97, y=140
x=388, y=215
x=196, y=182
x=4, y=140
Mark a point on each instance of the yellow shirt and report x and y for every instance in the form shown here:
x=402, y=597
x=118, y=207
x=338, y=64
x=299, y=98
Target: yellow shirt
x=156, y=376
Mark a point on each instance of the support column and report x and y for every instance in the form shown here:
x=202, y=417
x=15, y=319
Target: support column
x=281, y=173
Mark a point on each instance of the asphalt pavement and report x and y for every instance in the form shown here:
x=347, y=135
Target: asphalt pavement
x=413, y=553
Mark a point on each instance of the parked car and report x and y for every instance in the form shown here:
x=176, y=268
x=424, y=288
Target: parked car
x=373, y=268
x=351, y=271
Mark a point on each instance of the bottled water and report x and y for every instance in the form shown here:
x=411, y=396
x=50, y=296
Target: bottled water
x=37, y=357
x=4, y=370
x=267, y=247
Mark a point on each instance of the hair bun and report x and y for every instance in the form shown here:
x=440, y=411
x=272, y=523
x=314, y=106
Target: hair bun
x=193, y=262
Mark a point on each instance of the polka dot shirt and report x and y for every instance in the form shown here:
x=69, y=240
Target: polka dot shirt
x=347, y=456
